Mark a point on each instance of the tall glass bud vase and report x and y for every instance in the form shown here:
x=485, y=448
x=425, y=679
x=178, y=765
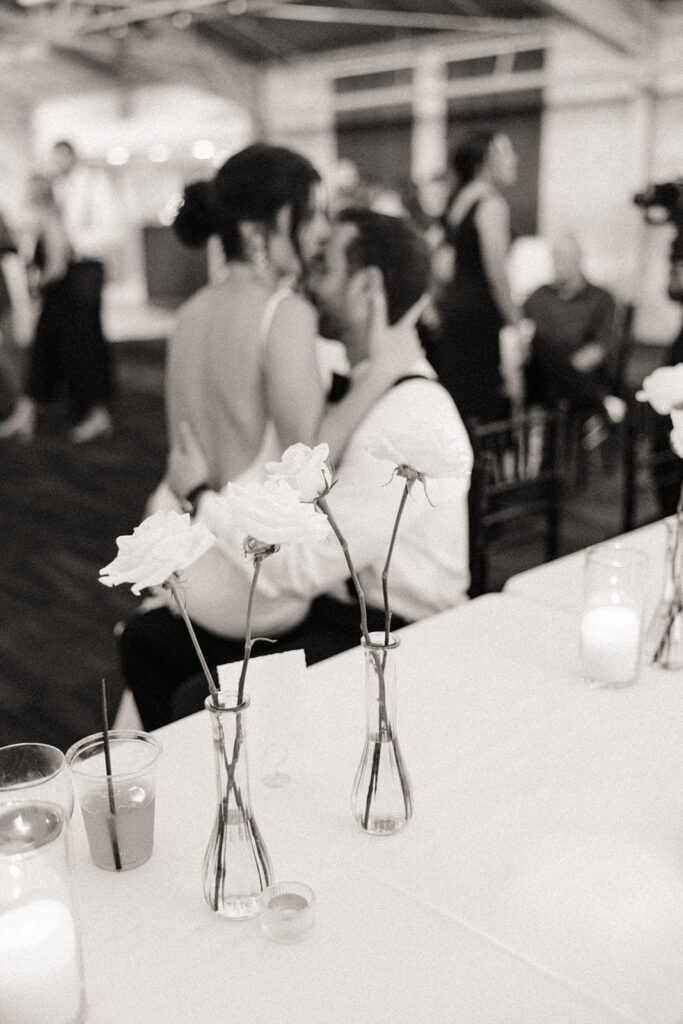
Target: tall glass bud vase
x=382, y=799
x=664, y=640
x=236, y=863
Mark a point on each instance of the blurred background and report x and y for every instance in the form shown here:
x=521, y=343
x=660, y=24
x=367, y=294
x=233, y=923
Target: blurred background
x=159, y=92
x=376, y=93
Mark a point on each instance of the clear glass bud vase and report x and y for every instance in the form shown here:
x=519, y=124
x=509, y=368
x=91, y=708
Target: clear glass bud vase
x=236, y=863
x=382, y=799
x=664, y=639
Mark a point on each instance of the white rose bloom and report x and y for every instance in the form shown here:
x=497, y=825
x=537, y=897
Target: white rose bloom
x=663, y=389
x=305, y=469
x=271, y=512
x=163, y=544
x=439, y=454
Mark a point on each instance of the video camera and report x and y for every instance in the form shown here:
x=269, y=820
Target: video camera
x=667, y=197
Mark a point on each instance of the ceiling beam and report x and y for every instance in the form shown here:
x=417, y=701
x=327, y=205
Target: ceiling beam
x=150, y=10
x=611, y=21
x=370, y=17
x=285, y=10
x=221, y=30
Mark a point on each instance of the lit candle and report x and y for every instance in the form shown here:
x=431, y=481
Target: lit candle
x=39, y=965
x=610, y=643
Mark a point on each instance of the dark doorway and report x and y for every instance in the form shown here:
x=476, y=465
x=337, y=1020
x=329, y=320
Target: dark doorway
x=379, y=147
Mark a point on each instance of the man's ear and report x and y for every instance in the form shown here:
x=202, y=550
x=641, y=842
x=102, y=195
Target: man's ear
x=363, y=287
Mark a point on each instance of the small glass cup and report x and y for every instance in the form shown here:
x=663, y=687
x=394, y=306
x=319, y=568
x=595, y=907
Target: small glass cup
x=611, y=623
x=37, y=773
x=288, y=911
x=118, y=810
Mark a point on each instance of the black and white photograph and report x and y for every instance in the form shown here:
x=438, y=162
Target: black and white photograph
x=341, y=511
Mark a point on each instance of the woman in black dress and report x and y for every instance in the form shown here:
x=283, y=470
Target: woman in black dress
x=46, y=363
x=478, y=303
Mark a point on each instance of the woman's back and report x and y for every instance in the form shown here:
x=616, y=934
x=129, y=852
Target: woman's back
x=215, y=378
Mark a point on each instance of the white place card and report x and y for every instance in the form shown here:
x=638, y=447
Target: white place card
x=266, y=669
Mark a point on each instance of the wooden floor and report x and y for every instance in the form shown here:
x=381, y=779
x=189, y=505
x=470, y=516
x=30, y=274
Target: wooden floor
x=62, y=508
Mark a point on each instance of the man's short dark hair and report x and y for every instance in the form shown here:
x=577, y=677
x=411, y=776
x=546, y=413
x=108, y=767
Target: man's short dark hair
x=397, y=248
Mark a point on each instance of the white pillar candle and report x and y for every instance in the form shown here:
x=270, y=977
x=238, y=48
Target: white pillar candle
x=610, y=643
x=40, y=978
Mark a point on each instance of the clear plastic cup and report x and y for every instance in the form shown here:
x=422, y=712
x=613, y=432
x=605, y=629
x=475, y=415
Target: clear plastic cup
x=118, y=811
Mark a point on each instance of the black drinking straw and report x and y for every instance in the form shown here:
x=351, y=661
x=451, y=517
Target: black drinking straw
x=110, y=783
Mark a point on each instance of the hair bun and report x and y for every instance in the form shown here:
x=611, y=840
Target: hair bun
x=196, y=219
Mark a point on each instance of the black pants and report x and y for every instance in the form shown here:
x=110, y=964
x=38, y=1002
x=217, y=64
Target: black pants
x=161, y=667
x=551, y=377
x=69, y=345
x=12, y=359
x=667, y=477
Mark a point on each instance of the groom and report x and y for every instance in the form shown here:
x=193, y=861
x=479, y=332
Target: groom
x=372, y=262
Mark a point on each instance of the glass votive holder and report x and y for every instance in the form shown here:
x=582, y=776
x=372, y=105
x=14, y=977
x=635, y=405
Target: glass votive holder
x=287, y=911
x=611, y=622
x=41, y=964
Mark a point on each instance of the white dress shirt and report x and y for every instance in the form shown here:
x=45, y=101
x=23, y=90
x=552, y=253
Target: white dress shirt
x=89, y=211
x=429, y=568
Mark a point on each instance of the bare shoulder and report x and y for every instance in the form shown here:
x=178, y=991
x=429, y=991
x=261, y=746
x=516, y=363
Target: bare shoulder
x=195, y=306
x=294, y=312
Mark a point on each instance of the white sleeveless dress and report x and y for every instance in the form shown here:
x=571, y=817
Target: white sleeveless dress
x=163, y=499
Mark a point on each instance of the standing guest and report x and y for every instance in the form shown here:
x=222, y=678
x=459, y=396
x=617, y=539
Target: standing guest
x=15, y=319
x=478, y=303
x=573, y=353
x=302, y=595
x=48, y=267
x=70, y=343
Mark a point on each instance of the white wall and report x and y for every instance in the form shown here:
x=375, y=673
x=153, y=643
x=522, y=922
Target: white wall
x=611, y=123
x=608, y=129
x=297, y=110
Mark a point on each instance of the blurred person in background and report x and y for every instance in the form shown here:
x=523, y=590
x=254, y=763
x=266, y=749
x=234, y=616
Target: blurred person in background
x=573, y=350
x=47, y=269
x=16, y=319
x=478, y=303
x=70, y=345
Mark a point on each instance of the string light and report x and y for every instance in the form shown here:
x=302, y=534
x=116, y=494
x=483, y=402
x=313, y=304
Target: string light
x=203, y=149
x=117, y=156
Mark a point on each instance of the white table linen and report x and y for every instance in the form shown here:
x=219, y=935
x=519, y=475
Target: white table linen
x=559, y=583
x=540, y=880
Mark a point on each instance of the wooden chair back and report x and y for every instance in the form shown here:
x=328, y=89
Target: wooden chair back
x=651, y=469
x=515, y=487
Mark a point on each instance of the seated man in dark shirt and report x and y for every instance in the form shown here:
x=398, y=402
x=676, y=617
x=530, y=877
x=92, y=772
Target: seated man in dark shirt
x=573, y=345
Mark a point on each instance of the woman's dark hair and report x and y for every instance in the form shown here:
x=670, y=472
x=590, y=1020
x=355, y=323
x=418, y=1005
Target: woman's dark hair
x=254, y=184
x=469, y=157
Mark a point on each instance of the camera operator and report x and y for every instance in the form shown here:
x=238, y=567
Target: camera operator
x=663, y=204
